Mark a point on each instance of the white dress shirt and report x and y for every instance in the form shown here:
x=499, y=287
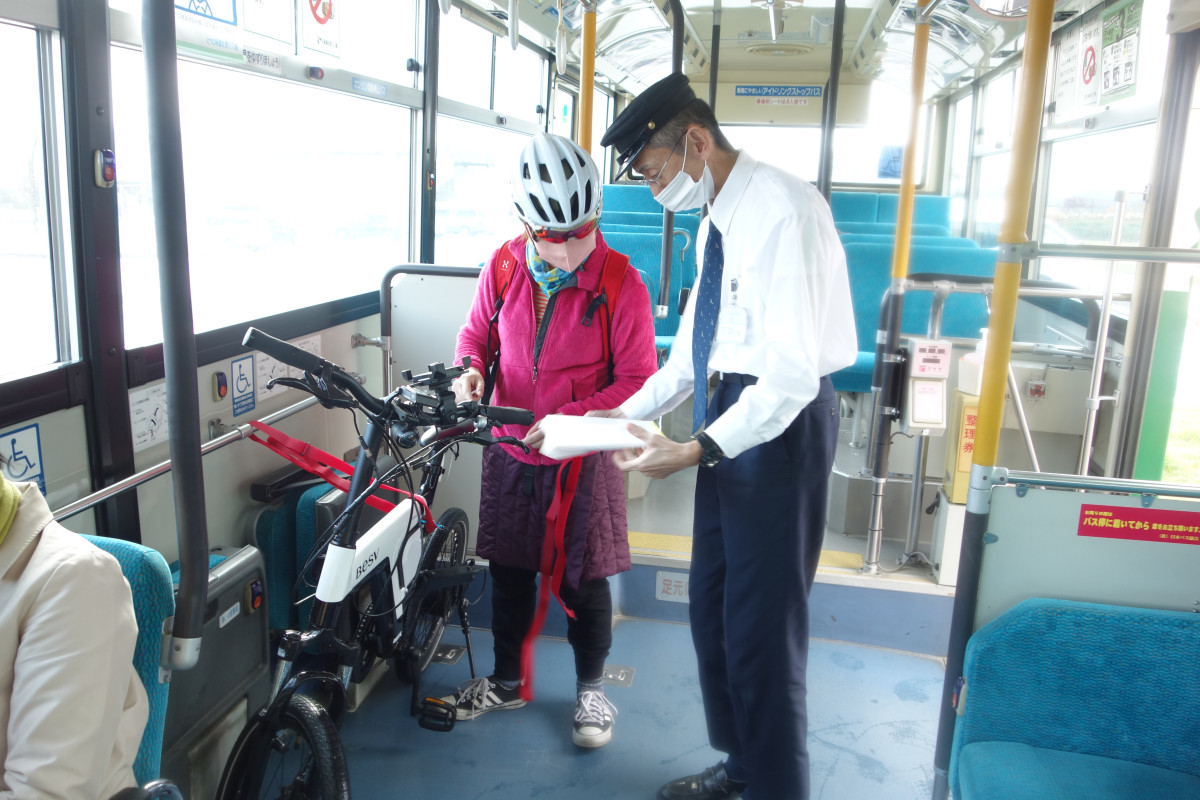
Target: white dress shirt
x=783, y=253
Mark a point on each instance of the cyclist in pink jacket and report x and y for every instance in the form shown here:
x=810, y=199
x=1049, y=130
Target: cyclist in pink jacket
x=552, y=360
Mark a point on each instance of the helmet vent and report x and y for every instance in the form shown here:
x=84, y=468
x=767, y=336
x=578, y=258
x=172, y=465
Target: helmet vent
x=538, y=207
x=568, y=170
x=556, y=208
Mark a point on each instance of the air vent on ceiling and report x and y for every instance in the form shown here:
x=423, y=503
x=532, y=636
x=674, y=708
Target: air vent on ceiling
x=779, y=49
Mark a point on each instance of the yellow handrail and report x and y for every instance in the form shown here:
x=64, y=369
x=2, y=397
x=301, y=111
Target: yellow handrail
x=587, y=76
x=904, y=210
x=1026, y=131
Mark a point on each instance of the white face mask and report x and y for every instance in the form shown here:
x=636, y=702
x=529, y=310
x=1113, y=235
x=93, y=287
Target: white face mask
x=683, y=193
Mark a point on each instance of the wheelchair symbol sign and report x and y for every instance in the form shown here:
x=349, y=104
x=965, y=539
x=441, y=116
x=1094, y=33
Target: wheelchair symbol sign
x=242, y=379
x=21, y=450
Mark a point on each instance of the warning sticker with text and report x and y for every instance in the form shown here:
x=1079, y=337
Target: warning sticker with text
x=1140, y=524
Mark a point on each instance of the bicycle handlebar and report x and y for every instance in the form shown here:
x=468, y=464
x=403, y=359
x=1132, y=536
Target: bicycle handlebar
x=506, y=415
x=321, y=369
x=313, y=364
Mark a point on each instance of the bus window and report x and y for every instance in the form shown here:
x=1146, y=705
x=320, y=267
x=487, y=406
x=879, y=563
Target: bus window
x=30, y=313
x=474, y=203
x=1085, y=175
x=296, y=195
x=959, y=161
x=1182, y=459
x=465, y=68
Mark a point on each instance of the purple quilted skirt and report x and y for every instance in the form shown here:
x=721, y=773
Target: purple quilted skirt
x=512, y=516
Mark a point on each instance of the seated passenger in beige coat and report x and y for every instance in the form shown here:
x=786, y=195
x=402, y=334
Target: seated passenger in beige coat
x=72, y=708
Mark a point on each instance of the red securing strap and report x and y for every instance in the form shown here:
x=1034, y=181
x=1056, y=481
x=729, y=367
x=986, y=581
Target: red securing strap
x=315, y=460
x=554, y=564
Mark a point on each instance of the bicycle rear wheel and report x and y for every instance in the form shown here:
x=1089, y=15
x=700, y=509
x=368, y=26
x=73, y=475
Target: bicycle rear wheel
x=301, y=758
x=425, y=624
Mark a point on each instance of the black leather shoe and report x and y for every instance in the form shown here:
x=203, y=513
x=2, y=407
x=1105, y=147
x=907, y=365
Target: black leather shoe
x=711, y=784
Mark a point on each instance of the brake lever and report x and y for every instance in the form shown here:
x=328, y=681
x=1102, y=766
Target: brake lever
x=487, y=439
x=329, y=396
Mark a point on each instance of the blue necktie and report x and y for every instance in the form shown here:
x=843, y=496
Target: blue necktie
x=704, y=324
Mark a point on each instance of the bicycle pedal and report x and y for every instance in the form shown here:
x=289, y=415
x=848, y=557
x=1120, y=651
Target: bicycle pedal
x=436, y=715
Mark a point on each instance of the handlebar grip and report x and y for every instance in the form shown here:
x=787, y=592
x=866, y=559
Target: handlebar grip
x=503, y=415
x=281, y=351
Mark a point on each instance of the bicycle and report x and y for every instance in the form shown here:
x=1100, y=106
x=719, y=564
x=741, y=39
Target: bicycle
x=384, y=592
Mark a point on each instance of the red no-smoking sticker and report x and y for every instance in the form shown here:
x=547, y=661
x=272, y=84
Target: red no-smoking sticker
x=1089, y=65
x=322, y=10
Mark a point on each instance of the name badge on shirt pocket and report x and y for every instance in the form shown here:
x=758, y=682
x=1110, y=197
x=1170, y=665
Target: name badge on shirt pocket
x=731, y=325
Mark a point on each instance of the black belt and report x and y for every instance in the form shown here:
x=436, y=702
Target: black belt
x=739, y=377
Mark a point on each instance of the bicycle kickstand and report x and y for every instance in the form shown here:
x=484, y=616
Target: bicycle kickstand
x=466, y=629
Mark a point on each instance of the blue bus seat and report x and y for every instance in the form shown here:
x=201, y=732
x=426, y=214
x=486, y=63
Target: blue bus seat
x=914, y=241
x=153, y=604
x=645, y=254
x=1070, y=699
x=928, y=209
x=631, y=197
x=854, y=206
x=277, y=534
x=869, y=265
x=889, y=228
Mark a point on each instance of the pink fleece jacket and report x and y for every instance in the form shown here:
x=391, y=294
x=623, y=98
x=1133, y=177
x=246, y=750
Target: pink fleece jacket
x=568, y=373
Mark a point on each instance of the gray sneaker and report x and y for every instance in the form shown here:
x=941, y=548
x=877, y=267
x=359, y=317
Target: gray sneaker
x=593, y=719
x=480, y=696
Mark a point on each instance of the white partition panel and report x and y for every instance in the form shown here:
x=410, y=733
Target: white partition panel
x=1089, y=546
x=427, y=312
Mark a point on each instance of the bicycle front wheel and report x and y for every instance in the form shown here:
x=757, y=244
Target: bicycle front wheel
x=425, y=624
x=301, y=758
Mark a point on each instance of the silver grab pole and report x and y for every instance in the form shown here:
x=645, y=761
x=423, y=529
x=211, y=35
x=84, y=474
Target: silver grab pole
x=1094, y=398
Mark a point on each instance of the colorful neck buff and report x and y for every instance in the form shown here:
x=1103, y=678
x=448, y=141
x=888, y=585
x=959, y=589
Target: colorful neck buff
x=549, y=277
x=10, y=499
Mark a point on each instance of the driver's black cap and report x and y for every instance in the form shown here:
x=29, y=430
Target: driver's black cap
x=645, y=116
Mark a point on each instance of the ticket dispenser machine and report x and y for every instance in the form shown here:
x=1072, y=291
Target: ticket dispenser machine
x=925, y=394
x=209, y=704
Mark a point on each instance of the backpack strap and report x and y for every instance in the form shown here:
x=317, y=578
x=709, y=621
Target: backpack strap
x=504, y=268
x=611, y=279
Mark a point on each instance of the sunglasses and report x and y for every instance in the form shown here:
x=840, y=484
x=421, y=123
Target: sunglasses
x=558, y=237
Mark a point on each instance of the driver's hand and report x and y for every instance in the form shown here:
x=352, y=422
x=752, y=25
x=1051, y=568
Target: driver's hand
x=468, y=386
x=534, y=438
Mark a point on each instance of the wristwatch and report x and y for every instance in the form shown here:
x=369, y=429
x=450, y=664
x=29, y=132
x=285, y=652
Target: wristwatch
x=710, y=450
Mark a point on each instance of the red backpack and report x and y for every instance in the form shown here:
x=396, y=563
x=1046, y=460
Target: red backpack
x=611, y=278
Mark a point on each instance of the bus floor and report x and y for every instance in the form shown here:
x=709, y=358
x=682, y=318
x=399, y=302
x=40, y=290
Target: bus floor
x=872, y=726
x=660, y=524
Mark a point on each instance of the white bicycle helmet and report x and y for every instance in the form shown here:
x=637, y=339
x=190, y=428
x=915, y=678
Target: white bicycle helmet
x=556, y=184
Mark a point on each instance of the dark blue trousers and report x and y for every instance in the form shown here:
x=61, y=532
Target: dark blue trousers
x=759, y=523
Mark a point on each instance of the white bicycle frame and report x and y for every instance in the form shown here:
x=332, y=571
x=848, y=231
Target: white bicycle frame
x=347, y=567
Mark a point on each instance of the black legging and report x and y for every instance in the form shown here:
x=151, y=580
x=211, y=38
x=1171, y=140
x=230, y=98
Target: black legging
x=514, y=599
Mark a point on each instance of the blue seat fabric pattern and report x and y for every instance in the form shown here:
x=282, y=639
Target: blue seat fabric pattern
x=153, y=602
x=1080, y=700
x=1015, y=771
